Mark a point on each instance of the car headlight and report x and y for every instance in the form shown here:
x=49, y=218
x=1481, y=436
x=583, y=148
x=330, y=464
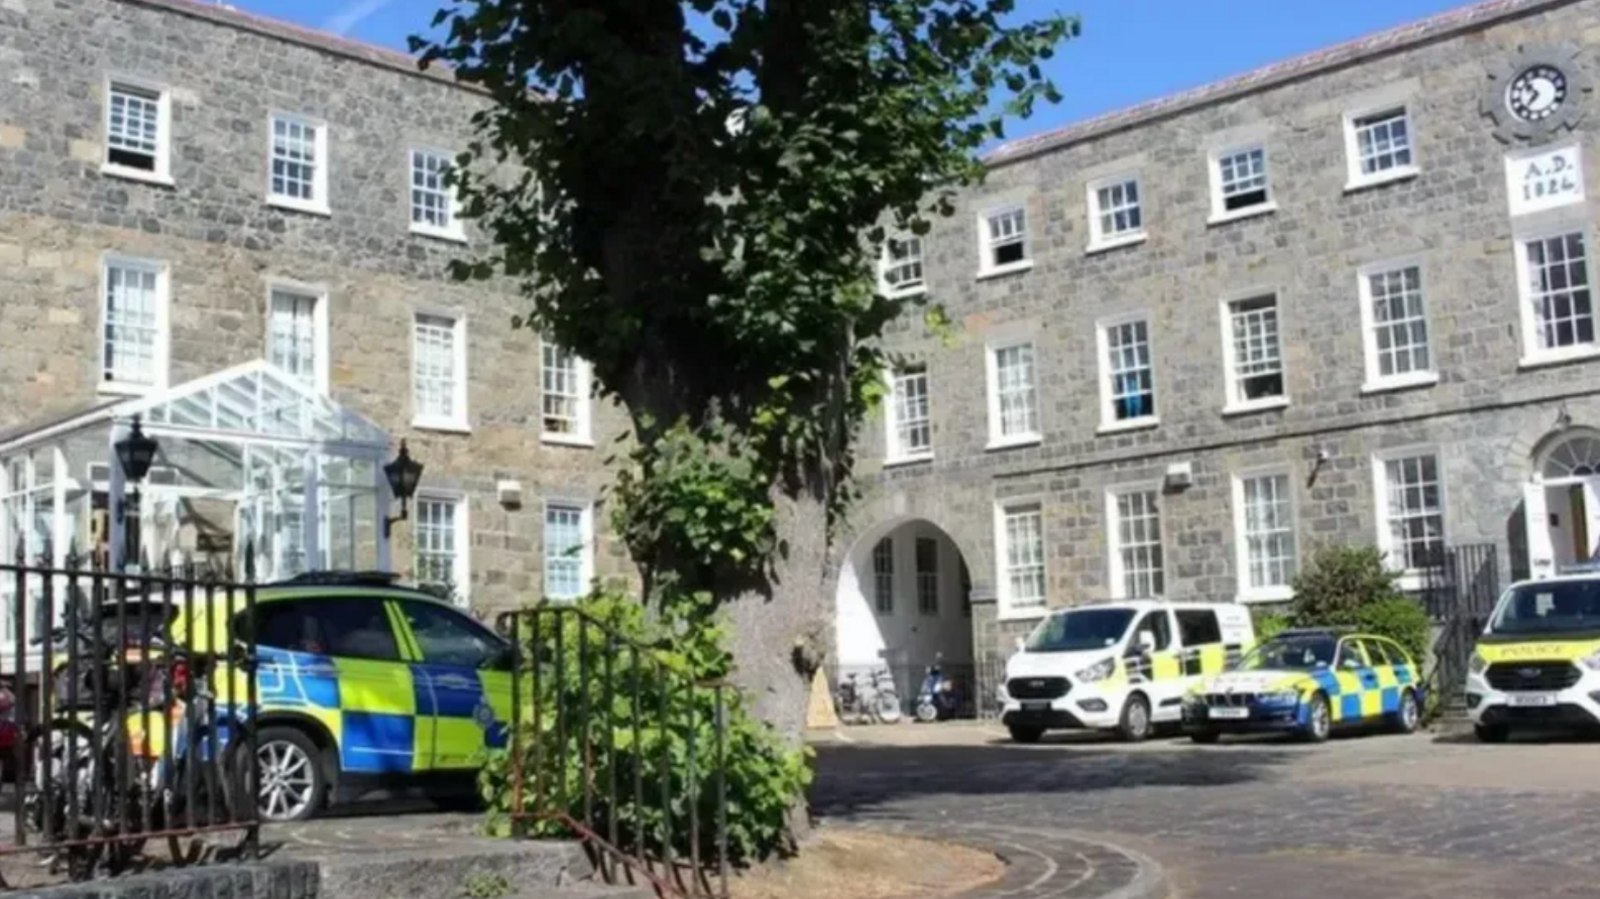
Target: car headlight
x=1098, y=671
x=1592, y=661
x=1280, y=697
x=1477, y=664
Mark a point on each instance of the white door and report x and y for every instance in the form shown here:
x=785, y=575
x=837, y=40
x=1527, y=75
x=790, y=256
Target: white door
x=1588, y=534
x=1536, y=523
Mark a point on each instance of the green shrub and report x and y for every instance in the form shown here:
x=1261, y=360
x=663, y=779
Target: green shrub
x=1401, y=620
x=587, y=709
x=1268, y=623
x=1349, y=586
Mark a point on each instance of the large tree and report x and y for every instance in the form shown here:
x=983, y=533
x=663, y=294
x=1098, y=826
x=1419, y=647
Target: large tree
x=692, y=195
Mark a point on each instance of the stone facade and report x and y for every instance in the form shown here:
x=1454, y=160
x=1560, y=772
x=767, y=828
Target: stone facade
x=1486, y=412
x=223, y=244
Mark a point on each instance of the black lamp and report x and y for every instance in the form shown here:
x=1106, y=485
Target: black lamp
x=135, y=453
x=403, y=474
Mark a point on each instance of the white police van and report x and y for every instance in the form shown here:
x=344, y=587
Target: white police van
x=1122, y=666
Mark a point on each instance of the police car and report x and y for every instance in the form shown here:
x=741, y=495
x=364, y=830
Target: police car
x=1537, y=663
x=1309, y=682
x=365, y=689
x=1121, y=666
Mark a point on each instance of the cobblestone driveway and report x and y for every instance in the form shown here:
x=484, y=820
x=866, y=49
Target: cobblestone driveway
x=1375, y=816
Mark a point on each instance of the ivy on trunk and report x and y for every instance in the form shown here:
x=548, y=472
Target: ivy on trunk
x=692, y=195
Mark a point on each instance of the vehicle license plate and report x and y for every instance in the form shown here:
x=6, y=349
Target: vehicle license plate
x=1534, y=699
x=1036, y=706
x=1228, y=714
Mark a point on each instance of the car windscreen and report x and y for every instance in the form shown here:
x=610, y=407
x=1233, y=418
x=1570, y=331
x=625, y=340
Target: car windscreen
x=1300, y=653
x=1079, y=630
x=1551, y=607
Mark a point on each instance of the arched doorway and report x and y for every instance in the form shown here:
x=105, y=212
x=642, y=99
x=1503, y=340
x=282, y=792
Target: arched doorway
x=903, y=603
x=1563, y=501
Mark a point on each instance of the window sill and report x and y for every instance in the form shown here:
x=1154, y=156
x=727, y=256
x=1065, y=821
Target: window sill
x=444, y=425
x=297, y=206
x=1131, y=424
x=1558, y=357
x=127, y=174
x=1405, y=173
x=122, y=388
x=1032, y=613
x=1004, y=270
x=573, y=440
x=1249, y=212
x=1271, y=594
x=439, y=234
x=903, y=293
x=1265, y=405
x=1014, y=441
x=1115, y=243
x=905, y=461
x=1403, y=382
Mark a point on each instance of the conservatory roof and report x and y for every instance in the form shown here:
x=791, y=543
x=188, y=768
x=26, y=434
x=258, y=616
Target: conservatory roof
x=254, y=400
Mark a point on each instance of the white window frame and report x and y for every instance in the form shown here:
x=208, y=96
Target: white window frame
x=886, y=263
x=998, y=439
x=1099, y=240
x=162, y=350
x=1241, y=538
x=1109, y=423
x=1410, y=579
x=456, y=231
x=1232, y=404
x=1219, y=211
x=583, y=435
x=986, y=266
x=461, y=564
x=1007, y=604
x=895, y=453
x=319, y=203
x=459, y=421
x=1116, y=571
x=1376, y=381
x=318, y=293
x=1356, y=179
x=162, y=174
x=1532, y=355
x=585, y=557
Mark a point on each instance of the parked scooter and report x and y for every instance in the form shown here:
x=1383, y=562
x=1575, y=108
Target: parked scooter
x=937, y=700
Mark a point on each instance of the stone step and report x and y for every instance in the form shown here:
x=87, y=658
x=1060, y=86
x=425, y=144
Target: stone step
x=528, y=869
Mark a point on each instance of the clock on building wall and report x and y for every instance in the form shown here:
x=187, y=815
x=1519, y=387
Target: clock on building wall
x=1538, y=93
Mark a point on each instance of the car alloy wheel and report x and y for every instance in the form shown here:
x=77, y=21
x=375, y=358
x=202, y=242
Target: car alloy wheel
x=1320, y=719
x=288, y=781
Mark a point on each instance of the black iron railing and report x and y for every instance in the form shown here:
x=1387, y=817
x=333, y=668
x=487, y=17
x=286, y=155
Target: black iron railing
x=615, y=744
x=134, y=713
x=1459, y=592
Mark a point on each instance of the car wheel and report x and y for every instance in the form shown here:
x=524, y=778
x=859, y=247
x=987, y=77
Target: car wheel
x=1409, y=717
x=1319, y=720
x=1206, y=736
x=291, y=782
x=1024, y=734
x=1491, y=733
x=1135, y=725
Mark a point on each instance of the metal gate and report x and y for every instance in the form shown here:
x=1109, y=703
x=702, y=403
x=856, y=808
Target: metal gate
x=1459, y=594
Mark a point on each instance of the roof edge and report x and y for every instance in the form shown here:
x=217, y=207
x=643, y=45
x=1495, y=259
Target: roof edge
x=1447, y=24
x=228, y=16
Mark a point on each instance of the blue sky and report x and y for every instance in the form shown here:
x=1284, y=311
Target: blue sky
x=1130, y=51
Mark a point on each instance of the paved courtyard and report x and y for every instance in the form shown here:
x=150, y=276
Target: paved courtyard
x=1374, y=816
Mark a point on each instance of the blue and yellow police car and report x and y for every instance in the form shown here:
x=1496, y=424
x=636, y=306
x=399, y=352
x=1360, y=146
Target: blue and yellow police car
x=1309, y=682
x=365, y=689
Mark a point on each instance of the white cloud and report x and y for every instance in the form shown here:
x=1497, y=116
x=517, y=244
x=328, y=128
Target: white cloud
x=353, y=14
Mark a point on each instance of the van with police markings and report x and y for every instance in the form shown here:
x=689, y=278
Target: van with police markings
x=1121, y=667
x=1537, y=663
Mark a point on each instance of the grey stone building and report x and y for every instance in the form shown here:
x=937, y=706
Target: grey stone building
x=235, y=229
x=1342, y=299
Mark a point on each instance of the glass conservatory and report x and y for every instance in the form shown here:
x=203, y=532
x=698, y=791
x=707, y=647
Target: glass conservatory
x=248, y=460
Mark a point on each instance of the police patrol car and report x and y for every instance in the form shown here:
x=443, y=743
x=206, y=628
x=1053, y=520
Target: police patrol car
x=1122, y=666
x=364, y=688
x=1538, y=660
x=1308, y=682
